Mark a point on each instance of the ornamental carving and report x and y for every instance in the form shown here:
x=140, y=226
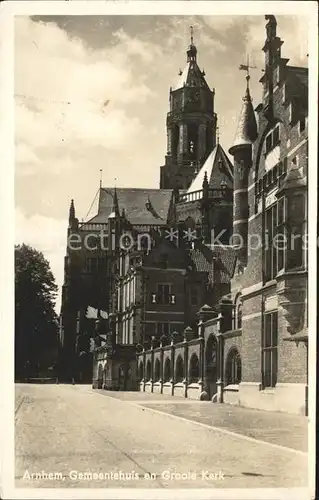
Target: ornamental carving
x=293, y=302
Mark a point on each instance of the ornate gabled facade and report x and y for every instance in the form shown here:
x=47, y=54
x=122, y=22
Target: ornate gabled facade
x=268, y=302
x=251, y=348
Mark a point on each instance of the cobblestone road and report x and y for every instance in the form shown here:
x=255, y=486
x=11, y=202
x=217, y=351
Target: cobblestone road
x=72, y=430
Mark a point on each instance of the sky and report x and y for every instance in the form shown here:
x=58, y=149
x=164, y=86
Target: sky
x=91, y=93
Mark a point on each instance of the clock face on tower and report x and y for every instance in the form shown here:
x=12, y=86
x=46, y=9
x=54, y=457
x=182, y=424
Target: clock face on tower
x=193, y=97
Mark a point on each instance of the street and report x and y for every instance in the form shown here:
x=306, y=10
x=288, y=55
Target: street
x=72, y=436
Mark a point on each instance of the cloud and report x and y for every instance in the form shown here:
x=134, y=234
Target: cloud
x=46, y=235
x=292, y=30
x=62, y=98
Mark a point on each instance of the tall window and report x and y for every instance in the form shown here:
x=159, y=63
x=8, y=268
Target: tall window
x=233, y=367
x=274, y=242
x=239, y=315
x=163, y=294
x=91, y=265
x=179, y=370
x=193, y=368
x=284, y=93
x=157, y=372
x=194, y=299
x=270, y=349
x=163, y=329
x=272, y=139
x=167, y=370
x=295, y=231
x=148, y=370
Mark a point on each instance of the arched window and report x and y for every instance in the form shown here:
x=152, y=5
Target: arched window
x=179, y=369
x=157, y=375
x=141, y=371
x=167, y=370
x=239, y=314
x=233, y=367
x=175, y=140
x=148, y=370
x=193, y=368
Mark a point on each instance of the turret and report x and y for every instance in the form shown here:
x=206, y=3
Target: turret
x=73, y=221
x=242, y=152
x=205, y=207
x=114, y=223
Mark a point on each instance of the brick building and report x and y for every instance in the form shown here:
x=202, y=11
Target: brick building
x=268, y=340
x=143, y=258
x=252, y=347
x=226, y=321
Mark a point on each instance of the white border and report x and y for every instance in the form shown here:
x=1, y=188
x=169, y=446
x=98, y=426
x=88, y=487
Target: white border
x=7, y=12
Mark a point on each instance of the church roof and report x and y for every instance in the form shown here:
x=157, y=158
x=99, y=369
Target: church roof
x=142, y=206
x=215, y=160
x=246, y=132
x=191, y=76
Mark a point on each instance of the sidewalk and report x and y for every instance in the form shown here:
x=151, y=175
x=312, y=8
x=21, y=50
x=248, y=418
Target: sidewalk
x=282, y=429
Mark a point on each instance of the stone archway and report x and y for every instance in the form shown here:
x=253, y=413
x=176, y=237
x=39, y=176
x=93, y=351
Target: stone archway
x=210, y=372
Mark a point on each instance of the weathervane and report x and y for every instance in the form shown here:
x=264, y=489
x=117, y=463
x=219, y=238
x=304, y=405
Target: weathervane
x=247, y=67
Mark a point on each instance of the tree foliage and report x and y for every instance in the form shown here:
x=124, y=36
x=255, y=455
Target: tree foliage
x=36, y=325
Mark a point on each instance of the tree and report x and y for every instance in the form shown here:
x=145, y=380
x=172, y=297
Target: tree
x=36, y=326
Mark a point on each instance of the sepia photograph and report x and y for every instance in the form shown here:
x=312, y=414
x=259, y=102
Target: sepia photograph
x=161, y=214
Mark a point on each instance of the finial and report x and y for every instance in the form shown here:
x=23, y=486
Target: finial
x=101, y=177
x=115, y=179
x=217, y=134
x=246, y=67
x=205, y=181
x=192, y=33
x=71, y=212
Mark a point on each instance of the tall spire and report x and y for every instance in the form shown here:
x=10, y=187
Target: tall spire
x=192, y=50
x=246, y=132
x=71, y=212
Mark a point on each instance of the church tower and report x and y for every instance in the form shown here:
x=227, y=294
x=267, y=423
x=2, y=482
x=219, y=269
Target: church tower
x=191, y=125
